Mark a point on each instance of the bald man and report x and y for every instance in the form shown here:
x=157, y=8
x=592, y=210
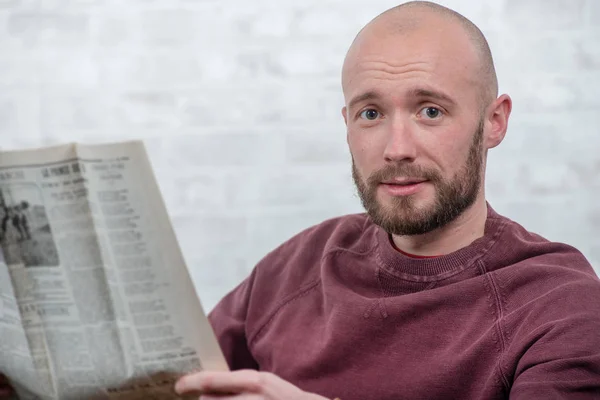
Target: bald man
x=430, y=294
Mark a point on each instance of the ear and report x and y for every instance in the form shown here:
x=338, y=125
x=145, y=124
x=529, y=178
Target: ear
x=497, y=117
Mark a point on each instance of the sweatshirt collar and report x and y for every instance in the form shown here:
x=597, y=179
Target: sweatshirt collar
x=427, y=269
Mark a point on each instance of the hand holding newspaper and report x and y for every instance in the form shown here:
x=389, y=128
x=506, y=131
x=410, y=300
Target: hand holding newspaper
x=95, y=299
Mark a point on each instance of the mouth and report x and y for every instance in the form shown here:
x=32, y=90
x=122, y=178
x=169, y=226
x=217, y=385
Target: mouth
x=403, y=186
x=404, y=181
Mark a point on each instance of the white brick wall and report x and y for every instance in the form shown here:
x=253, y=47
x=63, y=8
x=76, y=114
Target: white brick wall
x=239, y=103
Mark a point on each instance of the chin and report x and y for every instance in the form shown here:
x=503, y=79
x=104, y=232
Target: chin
x=416, y=201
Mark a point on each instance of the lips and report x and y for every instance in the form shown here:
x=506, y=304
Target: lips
x=402, y=187
x=404, y=182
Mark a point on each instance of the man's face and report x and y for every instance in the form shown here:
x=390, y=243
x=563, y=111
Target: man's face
x=451, y=196
x=415, y=129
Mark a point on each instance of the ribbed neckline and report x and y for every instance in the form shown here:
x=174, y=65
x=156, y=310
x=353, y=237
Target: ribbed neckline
x=434, y=268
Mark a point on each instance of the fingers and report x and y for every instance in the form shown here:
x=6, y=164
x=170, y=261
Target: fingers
x=243, y=381
x=241, y=385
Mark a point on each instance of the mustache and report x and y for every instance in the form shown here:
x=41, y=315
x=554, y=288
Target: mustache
x=405, y=170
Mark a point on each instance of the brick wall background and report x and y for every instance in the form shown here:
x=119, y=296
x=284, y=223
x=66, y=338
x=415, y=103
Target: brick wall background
x=239, y=103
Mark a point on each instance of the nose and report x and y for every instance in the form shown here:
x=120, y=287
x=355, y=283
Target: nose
x=400, y=145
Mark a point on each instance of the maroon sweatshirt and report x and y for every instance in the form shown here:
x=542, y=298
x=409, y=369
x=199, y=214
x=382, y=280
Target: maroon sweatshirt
x=338, y=311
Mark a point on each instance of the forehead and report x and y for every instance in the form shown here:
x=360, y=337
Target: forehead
x=440, y=58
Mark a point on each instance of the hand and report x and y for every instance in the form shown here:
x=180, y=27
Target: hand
x=240, y=385
x=5, y=389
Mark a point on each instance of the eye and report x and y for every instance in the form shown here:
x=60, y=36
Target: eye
x=431, y=112
x=369, y=114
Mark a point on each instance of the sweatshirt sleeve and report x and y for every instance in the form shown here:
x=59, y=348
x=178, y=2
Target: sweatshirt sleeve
x=229, y=322
x=558, y=348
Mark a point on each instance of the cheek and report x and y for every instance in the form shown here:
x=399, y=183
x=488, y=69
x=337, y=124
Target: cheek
x=364, y=147
x=362, y=154
x=452, y=157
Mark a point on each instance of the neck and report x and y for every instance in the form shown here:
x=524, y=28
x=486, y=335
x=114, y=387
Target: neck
x=461, y=232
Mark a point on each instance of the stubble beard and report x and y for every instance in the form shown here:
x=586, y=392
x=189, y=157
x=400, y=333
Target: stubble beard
x=452, y=197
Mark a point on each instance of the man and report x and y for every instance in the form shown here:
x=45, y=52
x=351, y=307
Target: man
x=431, y=295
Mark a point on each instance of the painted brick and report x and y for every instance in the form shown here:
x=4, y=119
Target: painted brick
x=9, y=3
x=19, y=115
x=203, y=191
x=239, y=103
x=145, y=109
x=112, y=29
x=58, y=29
x=555, y=92
x=176, y=27
x=291, y=188
x=225, y=149
x=545, y=14
x=318, y=148
x=75, y=110
x=593, y=14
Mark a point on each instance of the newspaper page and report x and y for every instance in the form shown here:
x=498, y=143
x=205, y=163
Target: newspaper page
x=95, y=299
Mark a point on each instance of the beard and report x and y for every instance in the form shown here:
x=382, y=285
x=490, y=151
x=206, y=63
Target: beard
x=452, y=197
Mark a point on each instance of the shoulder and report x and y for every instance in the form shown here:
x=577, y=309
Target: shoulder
x=293, y=269
x=547, y=303
x=542, y=283
x=530, y=252
x=300, y=256
x=340, y=232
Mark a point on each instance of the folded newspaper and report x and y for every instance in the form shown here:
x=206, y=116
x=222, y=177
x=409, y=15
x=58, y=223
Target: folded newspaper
x=95, y=299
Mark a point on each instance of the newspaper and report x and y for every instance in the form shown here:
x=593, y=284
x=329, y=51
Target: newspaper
x=95, y=298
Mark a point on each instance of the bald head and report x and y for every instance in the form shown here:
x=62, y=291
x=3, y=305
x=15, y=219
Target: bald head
x=430, y=18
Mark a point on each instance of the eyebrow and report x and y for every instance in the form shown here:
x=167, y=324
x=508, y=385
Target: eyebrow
x=432, y=94
x=370, y=95
x=419, y=93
